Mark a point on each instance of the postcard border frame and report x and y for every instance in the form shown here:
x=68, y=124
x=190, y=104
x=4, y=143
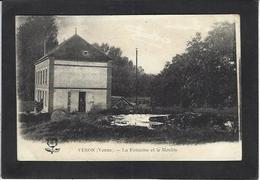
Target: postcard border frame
x=247, y=168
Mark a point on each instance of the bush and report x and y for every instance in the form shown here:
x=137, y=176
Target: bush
x=166, y=110
x=34, y=118
x=203, y=120
x=114, y=111
x=182, y=128
x=58, y=115
x=143, y=110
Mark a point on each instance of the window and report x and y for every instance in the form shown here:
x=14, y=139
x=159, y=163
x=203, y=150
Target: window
x=46, y=76
x=69, y=100
x=42, y=98
x=39, y=95
x=45, y=100
x=85, y=53
x=36, y=77
x=41, y=77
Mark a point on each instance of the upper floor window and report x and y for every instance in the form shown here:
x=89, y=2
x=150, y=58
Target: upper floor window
x=41, y=76
x=46, y=76
x=36, y=77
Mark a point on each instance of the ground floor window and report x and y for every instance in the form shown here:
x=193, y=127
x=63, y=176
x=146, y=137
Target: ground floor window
x=37, y=95
x=45, y=98
x=41, y=95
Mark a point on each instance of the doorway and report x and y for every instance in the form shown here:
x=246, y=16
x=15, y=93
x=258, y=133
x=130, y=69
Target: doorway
x=82, y=101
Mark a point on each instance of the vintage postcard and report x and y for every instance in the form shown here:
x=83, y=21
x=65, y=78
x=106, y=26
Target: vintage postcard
x=128, y=88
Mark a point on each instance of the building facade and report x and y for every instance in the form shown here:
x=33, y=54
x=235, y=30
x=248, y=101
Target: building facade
x=74, y=76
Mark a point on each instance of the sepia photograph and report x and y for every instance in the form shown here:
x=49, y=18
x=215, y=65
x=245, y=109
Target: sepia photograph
x=128, y=88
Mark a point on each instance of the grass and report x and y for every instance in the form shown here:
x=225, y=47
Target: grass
x=97, y=127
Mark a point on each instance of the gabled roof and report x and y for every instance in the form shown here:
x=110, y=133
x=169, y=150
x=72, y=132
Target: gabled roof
x=117, y=99
x=77, y=49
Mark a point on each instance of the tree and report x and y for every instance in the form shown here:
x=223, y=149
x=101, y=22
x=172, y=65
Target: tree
x=123, y=74
x=30, y=47
x=221, y=46
x=204, y=75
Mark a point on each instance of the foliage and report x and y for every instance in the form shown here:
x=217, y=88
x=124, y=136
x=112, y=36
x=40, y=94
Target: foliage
x=199, y=120
x=78, y=126
x=124, y=74
x=204, y=75
x=30, y=47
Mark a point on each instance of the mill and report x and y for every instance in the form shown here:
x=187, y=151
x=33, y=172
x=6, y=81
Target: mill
x=74, y=76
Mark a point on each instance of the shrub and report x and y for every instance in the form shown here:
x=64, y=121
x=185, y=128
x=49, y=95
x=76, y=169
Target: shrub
x=58, y=115
x=182, y=128
x=34, y=118
x=166, y=110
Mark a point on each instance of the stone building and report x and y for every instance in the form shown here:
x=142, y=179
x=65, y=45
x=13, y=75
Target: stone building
x=74, y=76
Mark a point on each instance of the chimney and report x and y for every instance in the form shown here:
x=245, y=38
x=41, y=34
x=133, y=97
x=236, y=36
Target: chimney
x=44, y=47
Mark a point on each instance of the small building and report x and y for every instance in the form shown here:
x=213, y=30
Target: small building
x=121, y=104
x=74, y=76
x=142, y=101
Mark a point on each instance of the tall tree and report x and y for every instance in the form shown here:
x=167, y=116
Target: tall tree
x=205, y=74
x=221, y=46
x=123, y=74
x=30, y=47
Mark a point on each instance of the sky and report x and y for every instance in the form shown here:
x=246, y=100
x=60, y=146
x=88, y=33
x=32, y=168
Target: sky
x=157, y=37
